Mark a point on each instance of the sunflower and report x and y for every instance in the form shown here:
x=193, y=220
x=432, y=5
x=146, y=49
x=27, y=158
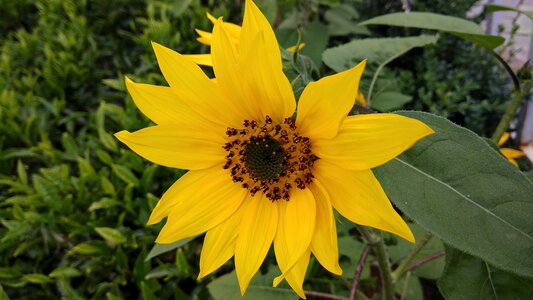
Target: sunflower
x=258, y=175
x=233, y=31
x=509, y=153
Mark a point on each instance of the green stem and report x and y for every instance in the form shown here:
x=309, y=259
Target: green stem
x=384, y=267
x=406, y=262
x=518, y=96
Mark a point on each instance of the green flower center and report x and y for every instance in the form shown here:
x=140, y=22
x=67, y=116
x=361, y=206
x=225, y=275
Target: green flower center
x=264, y=158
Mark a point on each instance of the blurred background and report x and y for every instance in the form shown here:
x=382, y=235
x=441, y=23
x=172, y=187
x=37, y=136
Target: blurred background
x=74, y=202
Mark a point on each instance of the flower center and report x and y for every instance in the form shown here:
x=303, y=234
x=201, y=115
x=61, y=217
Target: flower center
x=264, y=157
x=271, y=158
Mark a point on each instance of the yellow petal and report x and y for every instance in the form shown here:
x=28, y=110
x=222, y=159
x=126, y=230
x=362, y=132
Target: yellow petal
x=227, y=72
x=324, y=104
x=296, y=48
x=324, y=243
x=184, y=147
x=503, y=139
x=202, y=205
x=296, y=275
x=511, y=153
x=257, y=230
x=358, y=196
x=233, y=29
x=193, y=87
x=205, y=37
x=162, y=106
x=200, y=59
x=262, y=72
x=267, y=85
x=296, y=227
x=219, y=244
x=367, y=141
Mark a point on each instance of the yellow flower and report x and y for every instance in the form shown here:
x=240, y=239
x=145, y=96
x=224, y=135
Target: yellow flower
x=256, y=175
x=234, y=33
x=509, y=153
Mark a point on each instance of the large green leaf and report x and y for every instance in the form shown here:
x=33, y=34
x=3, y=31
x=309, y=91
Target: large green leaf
x=377, y=50
x=456, y=26
x=227, y=288
x=495, y=7
x=468, y=277
x=456, y=186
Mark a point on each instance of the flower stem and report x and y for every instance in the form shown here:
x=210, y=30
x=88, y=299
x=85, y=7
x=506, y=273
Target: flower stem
x=397, y=274
x=424, y=260
x=384, y=267
x=518, y=96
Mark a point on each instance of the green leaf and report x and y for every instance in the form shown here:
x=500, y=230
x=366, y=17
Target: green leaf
x=495, y=7
x=529, y=175
x=3, y=295
x=460, y=27
x=147, y=293
x=21, y=170
x=389, y=101
x=457, y=187
x=65, y=272
x=377, y=50
x=107, y=140
x=342, y=20
x=227, y=288
x=111, y=235
x=90, y=248
x=107, y=186
x=159, y=249
x=314, y=35
x=125, y=174
x=9, y=273
x=468, y=277
x=38, y=278
x=103, y=203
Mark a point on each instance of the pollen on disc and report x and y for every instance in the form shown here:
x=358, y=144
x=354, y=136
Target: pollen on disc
x=271, y=158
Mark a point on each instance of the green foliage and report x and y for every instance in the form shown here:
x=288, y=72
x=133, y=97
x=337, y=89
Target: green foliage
x=480, y=203
x=468, y=277
x=456, y=26
x=74, y=202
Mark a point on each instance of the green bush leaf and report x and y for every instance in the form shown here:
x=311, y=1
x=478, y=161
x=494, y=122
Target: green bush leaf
x=111, y=235
x=3, y=295
x=159, y=249
x=90, y=248
x=456, y=186
x=389, y=101
x=38, y=278
x=227, y=288
x=460, y=27
x=125, y=174
x=65, y=272
x=468, y=277
x=377, y=50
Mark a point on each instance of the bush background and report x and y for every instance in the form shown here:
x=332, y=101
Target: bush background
x=74, y=202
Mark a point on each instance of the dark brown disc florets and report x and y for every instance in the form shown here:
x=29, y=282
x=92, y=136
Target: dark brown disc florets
x=271, y=158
